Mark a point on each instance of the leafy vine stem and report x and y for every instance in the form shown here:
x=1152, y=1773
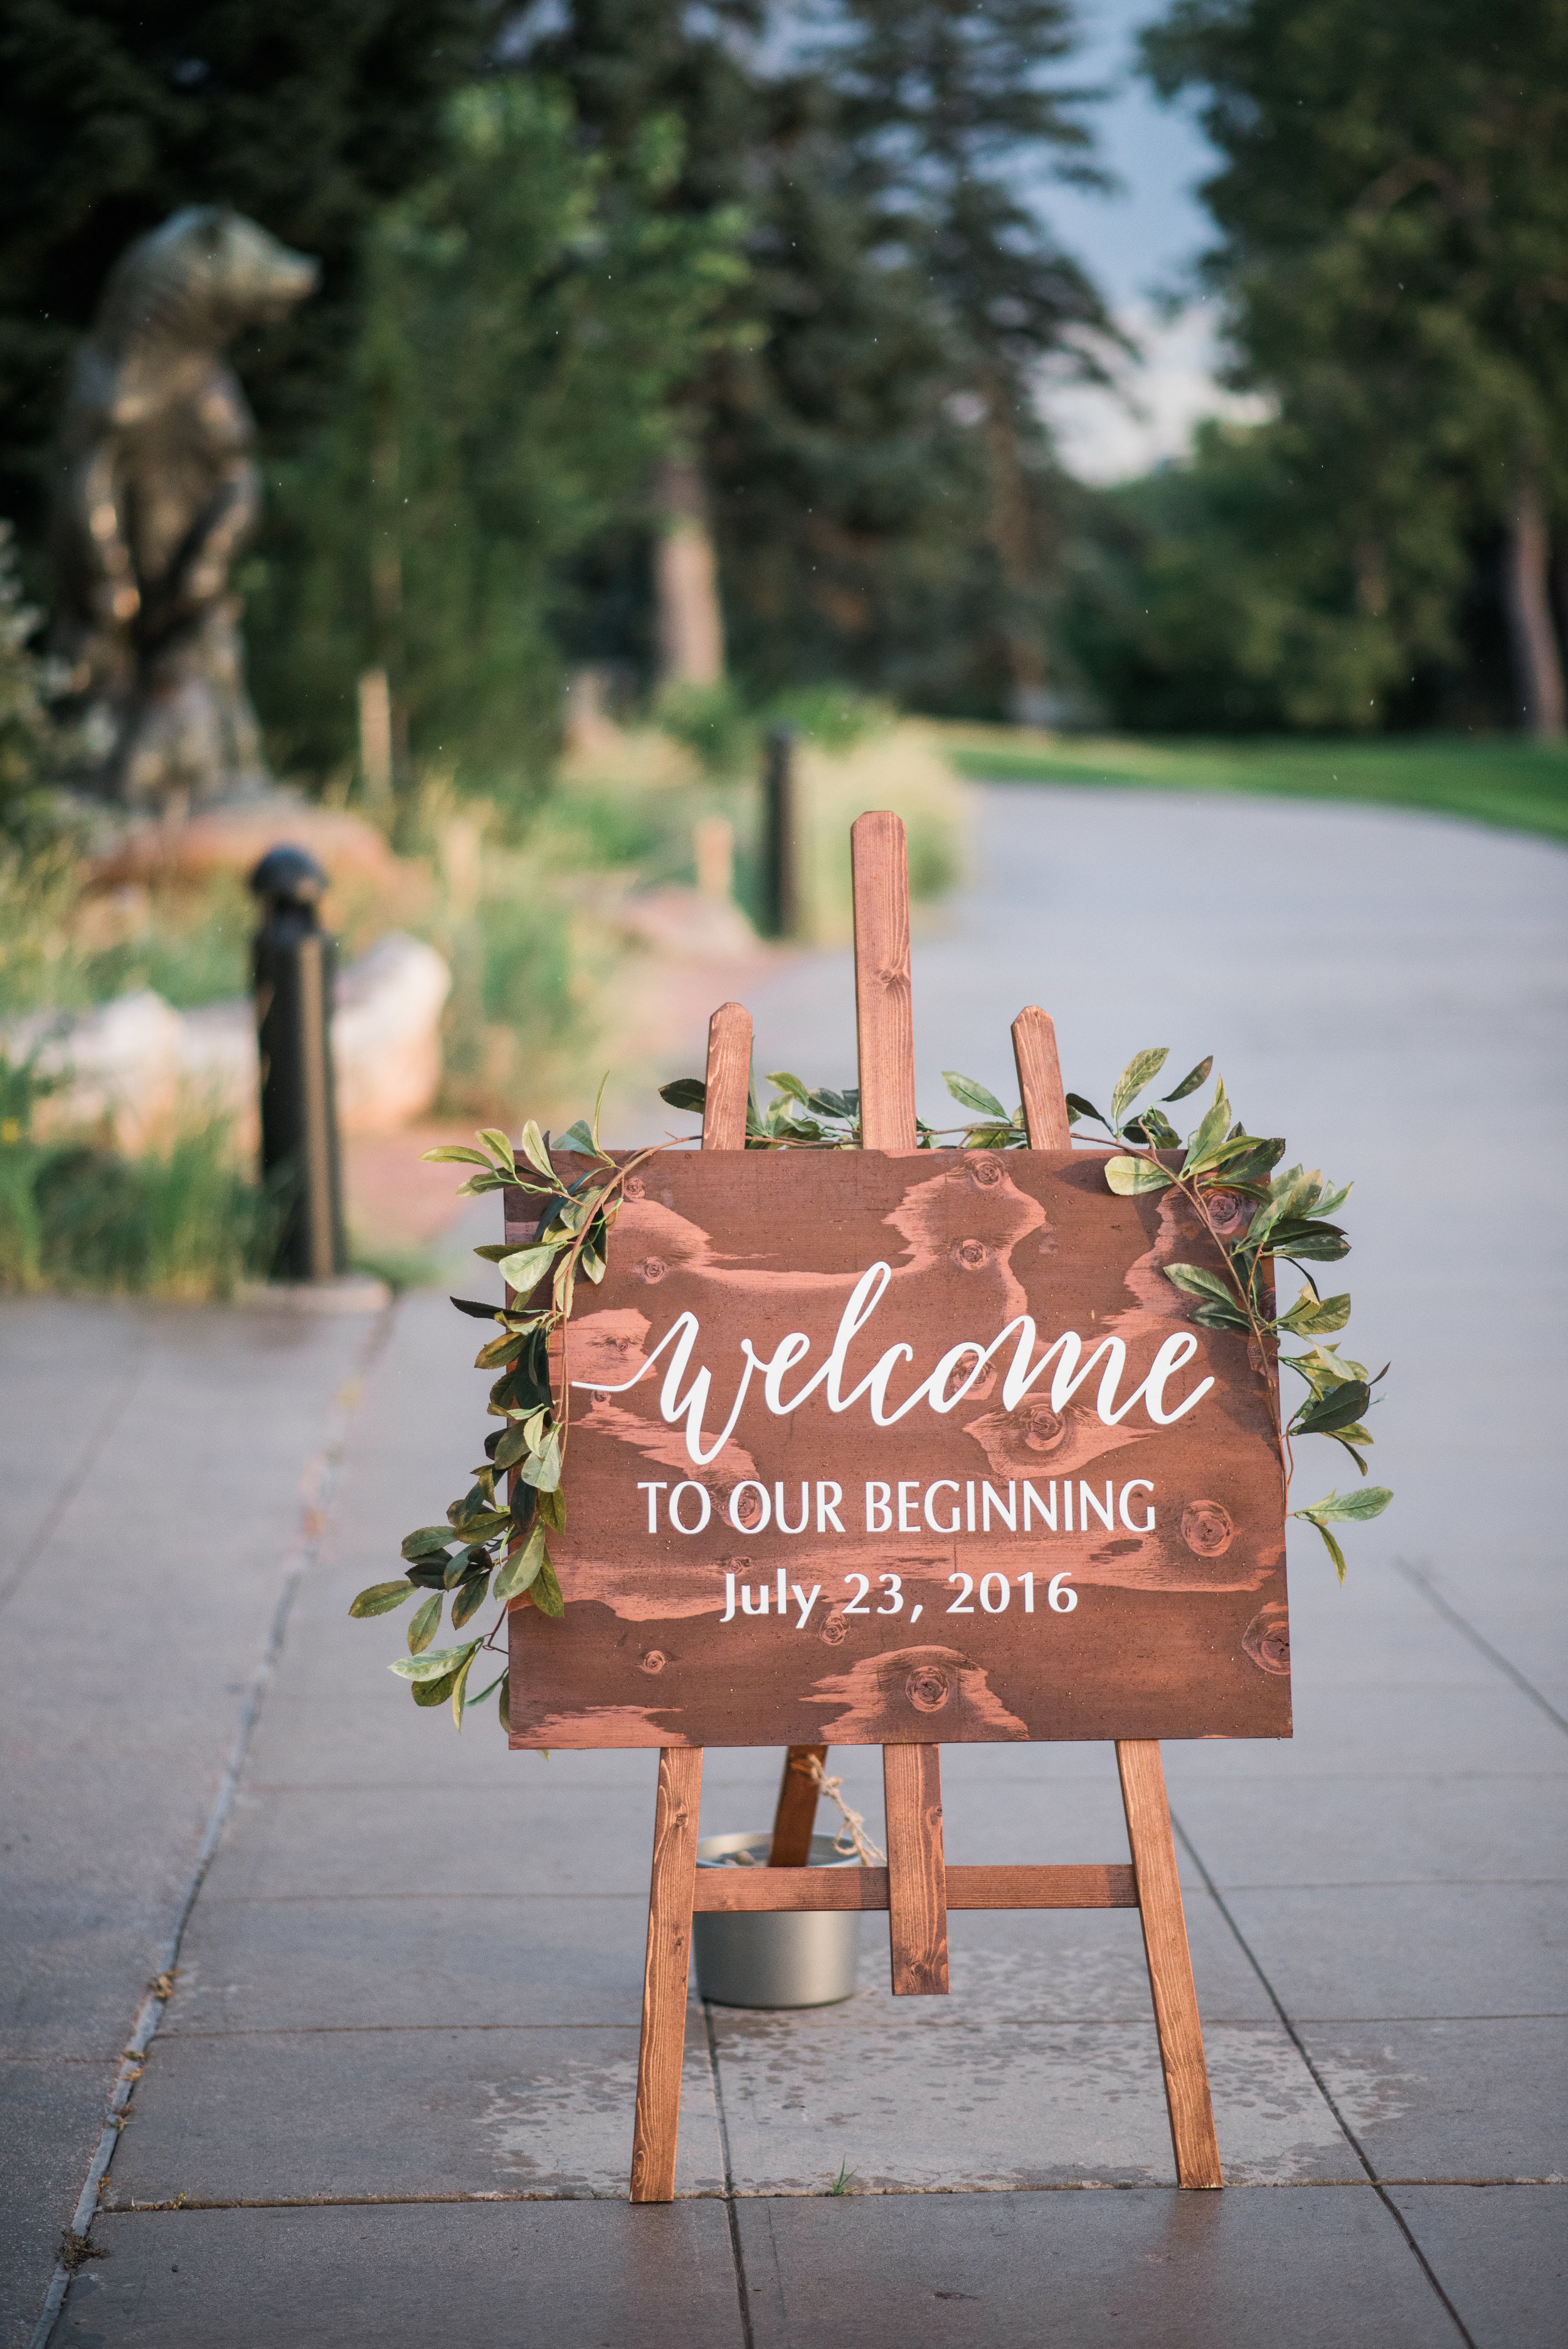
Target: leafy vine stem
x=1254, y=1215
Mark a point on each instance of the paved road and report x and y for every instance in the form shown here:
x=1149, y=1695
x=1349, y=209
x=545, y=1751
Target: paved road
x=391, y=2094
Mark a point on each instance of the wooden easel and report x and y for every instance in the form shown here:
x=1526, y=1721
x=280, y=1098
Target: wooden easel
x=916, y=1888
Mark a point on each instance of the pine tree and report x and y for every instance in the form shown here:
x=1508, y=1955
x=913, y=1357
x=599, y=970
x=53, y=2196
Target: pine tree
x=951, y=110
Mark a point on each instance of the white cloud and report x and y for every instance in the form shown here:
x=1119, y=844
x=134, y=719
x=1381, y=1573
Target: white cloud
x=1158, y=401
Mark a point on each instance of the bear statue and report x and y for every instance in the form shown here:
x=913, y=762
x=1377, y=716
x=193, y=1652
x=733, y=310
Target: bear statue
x=156, y=491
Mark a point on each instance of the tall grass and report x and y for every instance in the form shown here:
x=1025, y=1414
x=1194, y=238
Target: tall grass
x=183, y=1222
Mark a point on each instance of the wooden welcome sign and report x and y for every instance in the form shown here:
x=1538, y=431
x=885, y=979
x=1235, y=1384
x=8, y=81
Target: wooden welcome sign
x=891, y=1447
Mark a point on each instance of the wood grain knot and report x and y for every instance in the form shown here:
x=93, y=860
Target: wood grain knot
x=987, y=1172
x=834, y=1631
x=928, y=1688
x=973, y=1255
x=1043, y=1428
x=1267, y=1640
x=654, y=1661
x=1228, y=1213
x=652, y=1268
x=1207, y=1528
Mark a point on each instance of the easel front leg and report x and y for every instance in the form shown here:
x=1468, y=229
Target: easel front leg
x=664, y=1973
x=916, y=1870
x=1192, y=2138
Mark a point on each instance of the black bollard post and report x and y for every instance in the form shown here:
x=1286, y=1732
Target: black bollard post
x=293, y=975
x=781, y=895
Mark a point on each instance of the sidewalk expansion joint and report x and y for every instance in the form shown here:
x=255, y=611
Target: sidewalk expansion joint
x=320, y=1474
x=1483, y=1645
x=1379, y=2186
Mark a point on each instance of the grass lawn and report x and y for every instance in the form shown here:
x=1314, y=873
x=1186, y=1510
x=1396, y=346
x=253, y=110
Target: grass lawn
x=1495, y=780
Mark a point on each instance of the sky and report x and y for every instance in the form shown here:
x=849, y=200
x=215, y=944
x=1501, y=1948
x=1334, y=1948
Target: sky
x=1137, y=245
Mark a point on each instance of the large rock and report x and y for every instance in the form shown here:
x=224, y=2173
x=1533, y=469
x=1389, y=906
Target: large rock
x=136, y=1070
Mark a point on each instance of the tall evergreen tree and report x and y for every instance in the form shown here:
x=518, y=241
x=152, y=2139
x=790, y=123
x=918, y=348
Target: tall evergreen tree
x=1393, y=211
x=952, y=111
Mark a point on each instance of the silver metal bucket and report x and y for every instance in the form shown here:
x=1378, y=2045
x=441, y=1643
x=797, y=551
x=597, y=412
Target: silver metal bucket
x=793, y=1957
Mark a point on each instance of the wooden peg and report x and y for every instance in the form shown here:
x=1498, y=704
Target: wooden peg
x=1192, y=2139
x=916, y=1870
x=729, y=1078
x=662, y=2048
x=1040, y=1079
x=884, y=1016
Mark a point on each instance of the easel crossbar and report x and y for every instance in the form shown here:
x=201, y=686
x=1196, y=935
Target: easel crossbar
x=732, y=1891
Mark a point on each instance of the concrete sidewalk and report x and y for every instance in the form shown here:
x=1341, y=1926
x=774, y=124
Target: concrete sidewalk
x=391, y=2097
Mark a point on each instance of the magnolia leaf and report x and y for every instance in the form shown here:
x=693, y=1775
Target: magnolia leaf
x=493, y=1253
x=455, y=1151
x=460, y=1681
x=1130, y=1177
x=552, y=1509
x=580, y=1137
x=593, y=1264
x=1139, y=1071
x=520, y=1568
x=545, y=1592
x=1079, y=1107
x=477, y=1308
x=382, y=1597
x=525, y=1269
x=501, y=1351
x=1370, y=1502
x=1191, y=1081
x=503, y=1704
x=1153, y=1128
x=500, y=1147
x=686, y=1092
x=790, y=1085
x=431, y=1666
x=1320, y=1243
x=513, y=1446
x=426, y=1623
x=430, y=1692
x=965, y=1090
x=1212, y=1130
x=471, y=1595
x=1341, y=1407
x=542, y=1470
x=427, y=1542
x=490, y=1689
x=1210, y=1314
x=1198, y=1283
x=1334, y=1552
x=533, y=1148
x=1315, y=1316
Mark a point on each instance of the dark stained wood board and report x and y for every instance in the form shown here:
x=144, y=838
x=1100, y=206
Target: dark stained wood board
x=1179, y=1626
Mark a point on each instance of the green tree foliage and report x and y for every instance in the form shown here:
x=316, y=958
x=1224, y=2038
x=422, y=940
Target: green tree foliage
x=866, y=426
x=526, y=314
x=1394, y=263
x=951, y=115
x=306, y=114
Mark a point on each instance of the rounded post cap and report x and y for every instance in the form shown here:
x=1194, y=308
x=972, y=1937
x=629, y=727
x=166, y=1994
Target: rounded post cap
x=289, y=876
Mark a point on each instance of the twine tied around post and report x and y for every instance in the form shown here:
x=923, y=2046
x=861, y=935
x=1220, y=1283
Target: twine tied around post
x=851, y=1836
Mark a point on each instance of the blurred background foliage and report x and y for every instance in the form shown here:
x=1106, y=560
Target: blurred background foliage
x=626, y=302
x=807, y=256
